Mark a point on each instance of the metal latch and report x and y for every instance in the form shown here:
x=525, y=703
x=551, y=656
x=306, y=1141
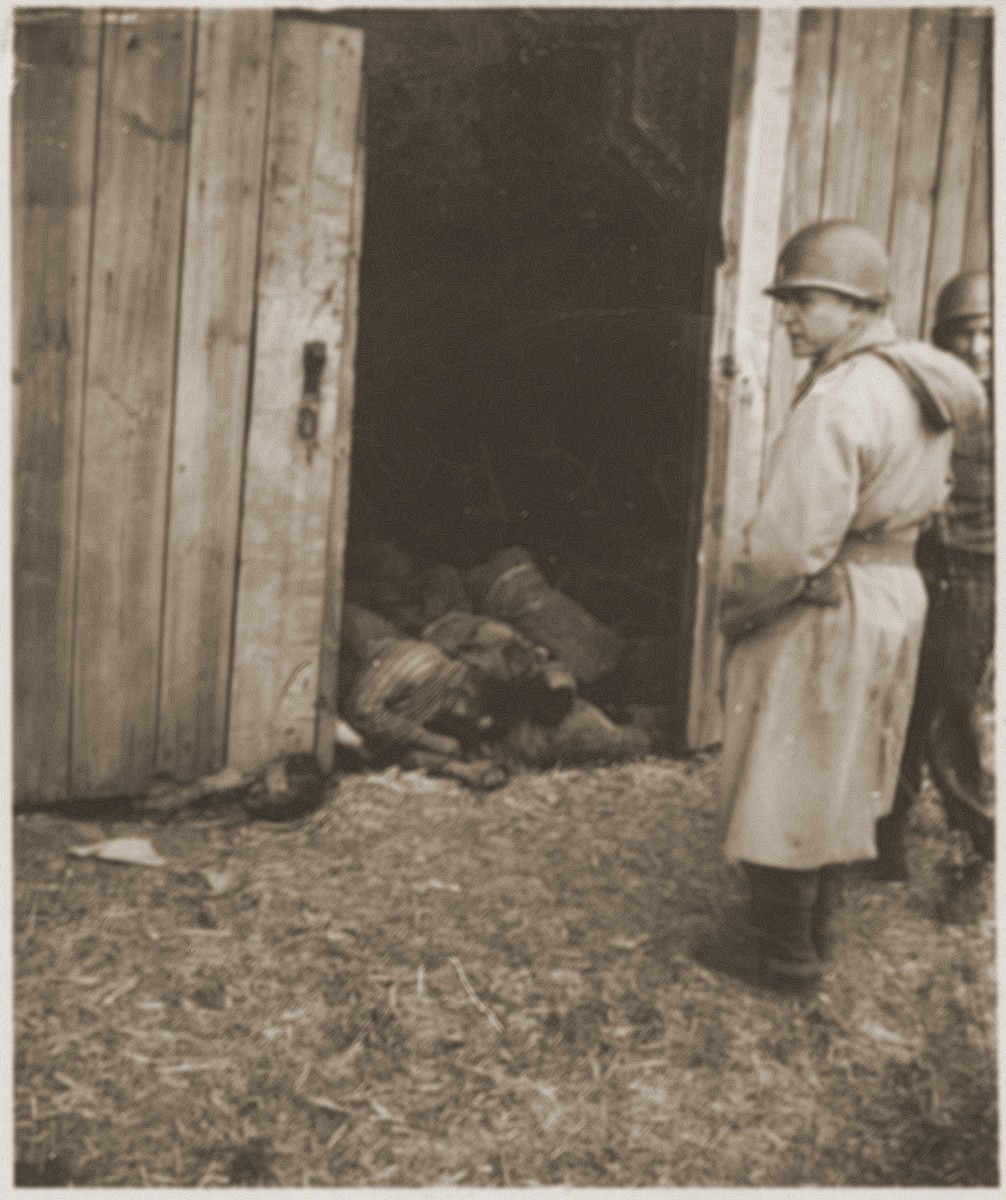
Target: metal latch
x=307, y=414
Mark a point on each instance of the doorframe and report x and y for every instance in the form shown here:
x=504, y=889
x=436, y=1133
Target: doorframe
x=751, y=208
x=338, y=517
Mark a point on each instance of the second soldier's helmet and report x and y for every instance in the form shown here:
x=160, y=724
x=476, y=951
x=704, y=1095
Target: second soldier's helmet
x=838, y=256
x=966, y=295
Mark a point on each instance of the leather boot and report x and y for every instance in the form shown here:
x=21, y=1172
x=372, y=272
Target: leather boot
x=891, y=863
x=730, y=951
x=830, y=888
x=776, y=950
x=782, y=914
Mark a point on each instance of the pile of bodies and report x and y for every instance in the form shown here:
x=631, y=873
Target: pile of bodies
x=471, y=674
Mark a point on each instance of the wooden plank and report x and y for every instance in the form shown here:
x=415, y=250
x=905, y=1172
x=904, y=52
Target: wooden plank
x=54, y=119
x=338, y=521
x=752, y=326
x=801, y=198
x=978, y=227
x=128, y=396
x=954, y=182
x=870, y=54
x=223, y=207
x=703, y=726
x=917, y=165
x=752, y=201
x=809, y=124
x=307, y=219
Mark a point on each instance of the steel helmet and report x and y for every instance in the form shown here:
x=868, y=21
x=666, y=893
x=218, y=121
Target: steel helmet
x=966, y=295
x=838, y=256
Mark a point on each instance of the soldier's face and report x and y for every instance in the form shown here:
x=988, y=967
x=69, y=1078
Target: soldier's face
x=815, y=319
x=971, y=340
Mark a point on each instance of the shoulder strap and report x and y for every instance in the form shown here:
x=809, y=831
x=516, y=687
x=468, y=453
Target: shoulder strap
x=813, y=376
x=934, y=414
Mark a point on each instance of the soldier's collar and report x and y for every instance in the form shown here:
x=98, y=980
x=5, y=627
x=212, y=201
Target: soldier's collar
x=878, y=332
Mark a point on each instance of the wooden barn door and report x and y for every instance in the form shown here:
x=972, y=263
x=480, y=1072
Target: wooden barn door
x=297, y=459
x=186, y=219
x=53, y=128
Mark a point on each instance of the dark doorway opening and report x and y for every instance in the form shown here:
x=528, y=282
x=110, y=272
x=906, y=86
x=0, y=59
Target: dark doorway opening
x=541, y=229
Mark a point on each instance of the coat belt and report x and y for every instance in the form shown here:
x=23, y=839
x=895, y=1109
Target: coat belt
x=886, y=551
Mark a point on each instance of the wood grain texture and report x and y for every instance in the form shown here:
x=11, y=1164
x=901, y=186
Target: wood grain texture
x=223, y=207
x=870, y=54
x=128, y=396
x=307, y=221
x=977, y=255
x=753, y=319
x=801, y=197
x=917, y=165
x=756, y=149
x=54, y=118
x=704, y=724
x=338, y=520
x=953, y=187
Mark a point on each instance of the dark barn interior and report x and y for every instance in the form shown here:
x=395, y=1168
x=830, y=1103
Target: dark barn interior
x=541, y=228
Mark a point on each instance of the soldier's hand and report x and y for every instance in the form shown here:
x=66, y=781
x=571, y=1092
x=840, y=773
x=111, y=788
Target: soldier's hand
x=735, y=628
x=827, y=588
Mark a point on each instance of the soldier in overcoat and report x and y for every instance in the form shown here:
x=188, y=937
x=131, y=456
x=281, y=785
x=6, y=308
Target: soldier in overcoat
x=824, y=607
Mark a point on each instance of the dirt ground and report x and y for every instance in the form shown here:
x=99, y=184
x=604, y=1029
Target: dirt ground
x=416, y=985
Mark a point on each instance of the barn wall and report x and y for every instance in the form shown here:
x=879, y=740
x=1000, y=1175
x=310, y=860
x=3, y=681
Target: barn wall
x=887, y=123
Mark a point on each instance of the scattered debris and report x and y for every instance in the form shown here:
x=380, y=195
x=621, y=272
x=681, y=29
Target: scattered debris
x=627, y=943
x=483, y=1008
x=134, y=851
x=292, y=786
x=220, y=882
x=289, y=786
x=167, y=797
x=346, y=736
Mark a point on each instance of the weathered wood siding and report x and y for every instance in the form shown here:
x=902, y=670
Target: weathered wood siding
x=885, y=120
x=307, y=235
x=138, y=176
x=331, y=629
x=54, y=122
x=226, y=149
x=128, y=395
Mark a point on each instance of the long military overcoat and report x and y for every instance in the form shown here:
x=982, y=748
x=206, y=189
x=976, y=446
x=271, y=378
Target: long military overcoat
x=817, y=698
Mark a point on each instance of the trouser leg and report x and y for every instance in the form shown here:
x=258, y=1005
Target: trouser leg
x=892, y=856
x=956, y=752
x=892, y=859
